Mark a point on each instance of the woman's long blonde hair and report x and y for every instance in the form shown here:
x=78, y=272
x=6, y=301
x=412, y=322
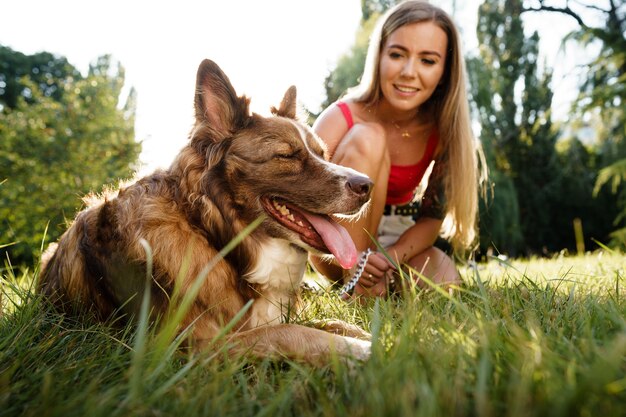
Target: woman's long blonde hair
x=458, y=149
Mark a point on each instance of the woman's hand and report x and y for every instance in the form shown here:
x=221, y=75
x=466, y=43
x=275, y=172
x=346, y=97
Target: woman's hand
x=376, y=274
x=375, y=270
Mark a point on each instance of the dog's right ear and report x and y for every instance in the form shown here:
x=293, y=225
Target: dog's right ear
x=217, y=105
x=287, y=107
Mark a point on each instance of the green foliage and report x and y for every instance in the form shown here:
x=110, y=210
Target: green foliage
x=604, y=93
x=499, y=217
x=615, y=174
x=535, y=338
x=603, y=90
x=372, y=8
x=349, y=67
x=57, y=148
x=512, y=99
x=43, y=69
x=577, y=163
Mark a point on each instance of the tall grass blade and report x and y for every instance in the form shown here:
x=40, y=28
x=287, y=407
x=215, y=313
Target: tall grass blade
x=603, y=246
x=136, y=370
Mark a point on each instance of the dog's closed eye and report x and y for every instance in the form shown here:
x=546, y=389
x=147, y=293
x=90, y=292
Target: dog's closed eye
x=285, y=150
x=288, y=155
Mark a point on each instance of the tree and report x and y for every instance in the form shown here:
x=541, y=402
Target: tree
x=374, y=8
x=512, y=99
x=578, y=164
x=57, y=148
x=349, y=67
x=603, y=88
x=43, y=69
x=614, y=175
x=500, y=228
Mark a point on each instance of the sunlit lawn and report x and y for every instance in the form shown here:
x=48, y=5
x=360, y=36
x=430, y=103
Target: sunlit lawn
x=521, y=338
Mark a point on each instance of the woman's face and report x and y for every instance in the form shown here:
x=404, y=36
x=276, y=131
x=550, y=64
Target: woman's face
x=412, y=63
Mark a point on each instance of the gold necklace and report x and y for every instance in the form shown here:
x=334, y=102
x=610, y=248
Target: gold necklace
x=405, y=133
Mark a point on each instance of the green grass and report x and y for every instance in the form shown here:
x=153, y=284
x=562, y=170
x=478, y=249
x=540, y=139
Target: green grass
x=525, y=338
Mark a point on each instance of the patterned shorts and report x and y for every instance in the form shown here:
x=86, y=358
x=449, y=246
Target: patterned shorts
x=394, y=222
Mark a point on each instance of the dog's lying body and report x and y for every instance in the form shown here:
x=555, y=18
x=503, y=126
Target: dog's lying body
x=237, y=166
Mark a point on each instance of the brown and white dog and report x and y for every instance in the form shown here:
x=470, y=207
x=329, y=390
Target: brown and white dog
x=236, y=167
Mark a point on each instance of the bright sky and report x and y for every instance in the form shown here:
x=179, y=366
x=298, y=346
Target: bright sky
x=264, y=46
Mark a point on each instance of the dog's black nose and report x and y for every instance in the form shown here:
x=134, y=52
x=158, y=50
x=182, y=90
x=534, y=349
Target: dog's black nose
x=360, y=185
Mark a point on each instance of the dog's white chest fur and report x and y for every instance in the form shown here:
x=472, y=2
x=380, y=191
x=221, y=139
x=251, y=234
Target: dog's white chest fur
x=278, y=274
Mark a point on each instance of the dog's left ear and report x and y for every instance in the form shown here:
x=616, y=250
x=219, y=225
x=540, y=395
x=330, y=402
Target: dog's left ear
x=217, y=105
x=288, y=105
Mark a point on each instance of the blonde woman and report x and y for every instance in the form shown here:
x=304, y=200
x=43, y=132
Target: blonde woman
x=408, y=116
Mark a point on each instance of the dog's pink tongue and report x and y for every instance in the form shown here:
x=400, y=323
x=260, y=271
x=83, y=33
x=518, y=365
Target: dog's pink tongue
x=336, y=238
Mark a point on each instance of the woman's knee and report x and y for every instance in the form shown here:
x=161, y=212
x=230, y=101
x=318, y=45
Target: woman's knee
x=365, y=141
x=437, y=266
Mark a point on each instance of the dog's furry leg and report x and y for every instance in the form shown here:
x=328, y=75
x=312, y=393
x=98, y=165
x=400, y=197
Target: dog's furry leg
x=342, y=328
x=295, y=342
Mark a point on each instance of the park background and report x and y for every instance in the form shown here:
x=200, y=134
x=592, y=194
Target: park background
x=90, y=93
x=89, y=96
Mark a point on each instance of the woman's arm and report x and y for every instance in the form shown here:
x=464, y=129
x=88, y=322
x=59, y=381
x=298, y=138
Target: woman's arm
x=331, y=127
x=416, y=239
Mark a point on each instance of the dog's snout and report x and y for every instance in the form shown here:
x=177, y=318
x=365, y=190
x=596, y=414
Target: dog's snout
x=360, y=185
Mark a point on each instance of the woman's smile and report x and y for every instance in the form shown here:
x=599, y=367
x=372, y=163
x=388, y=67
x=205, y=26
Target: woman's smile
x=405, y=89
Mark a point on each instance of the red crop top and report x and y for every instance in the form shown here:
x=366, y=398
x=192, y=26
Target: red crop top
x=403, y=179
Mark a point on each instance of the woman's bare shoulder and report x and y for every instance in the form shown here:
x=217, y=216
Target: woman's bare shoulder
x=331, y=126
x=332, y=115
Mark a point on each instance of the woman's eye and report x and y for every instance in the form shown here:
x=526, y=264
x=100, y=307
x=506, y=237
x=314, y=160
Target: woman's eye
x=395, y=55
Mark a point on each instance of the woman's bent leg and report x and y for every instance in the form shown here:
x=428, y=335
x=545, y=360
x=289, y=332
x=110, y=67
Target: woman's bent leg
x=435, y=265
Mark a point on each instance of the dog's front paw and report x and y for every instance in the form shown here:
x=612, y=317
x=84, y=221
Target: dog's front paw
x=358, y=349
